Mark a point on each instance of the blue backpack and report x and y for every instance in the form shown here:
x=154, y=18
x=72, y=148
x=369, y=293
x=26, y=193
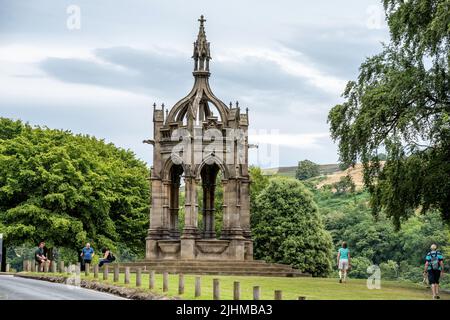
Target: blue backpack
x=434, y=262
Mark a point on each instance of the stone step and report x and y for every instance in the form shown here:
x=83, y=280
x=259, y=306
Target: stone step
x=206, y=263
x=216, y=268
x=209, y=265
x=234, y=272
x=201, y=270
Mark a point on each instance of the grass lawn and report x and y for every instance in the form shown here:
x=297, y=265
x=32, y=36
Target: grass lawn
x=311, y=288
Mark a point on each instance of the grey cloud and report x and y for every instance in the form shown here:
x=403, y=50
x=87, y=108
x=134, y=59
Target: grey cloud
x=148, y=72
x=340, y=50
x=125, y=69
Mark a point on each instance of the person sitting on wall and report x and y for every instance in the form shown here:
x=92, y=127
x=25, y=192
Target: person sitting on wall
x=108, y=257
x=40, y=257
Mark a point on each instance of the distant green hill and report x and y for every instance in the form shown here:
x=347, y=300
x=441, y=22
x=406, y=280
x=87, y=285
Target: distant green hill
x=290, y=171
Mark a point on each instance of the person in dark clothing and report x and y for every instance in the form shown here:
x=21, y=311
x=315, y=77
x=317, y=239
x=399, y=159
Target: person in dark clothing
x=434, y=267
x=40, y=257
x=108, y=257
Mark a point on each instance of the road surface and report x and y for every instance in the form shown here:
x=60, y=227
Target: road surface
x=15, y=288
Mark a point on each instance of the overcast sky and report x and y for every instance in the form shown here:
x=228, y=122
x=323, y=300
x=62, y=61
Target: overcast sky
x=287, y=61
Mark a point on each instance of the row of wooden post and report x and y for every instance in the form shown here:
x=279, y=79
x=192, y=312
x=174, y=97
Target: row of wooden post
x=278, y=295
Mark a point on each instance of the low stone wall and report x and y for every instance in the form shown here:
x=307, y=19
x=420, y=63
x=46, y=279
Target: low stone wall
x=128, y=293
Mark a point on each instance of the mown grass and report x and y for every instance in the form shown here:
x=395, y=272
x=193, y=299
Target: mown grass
x=311, y=288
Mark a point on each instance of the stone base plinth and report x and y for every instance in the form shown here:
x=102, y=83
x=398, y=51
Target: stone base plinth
x=199, y=249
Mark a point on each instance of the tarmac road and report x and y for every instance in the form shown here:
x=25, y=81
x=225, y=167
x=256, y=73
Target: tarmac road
x=15, y=288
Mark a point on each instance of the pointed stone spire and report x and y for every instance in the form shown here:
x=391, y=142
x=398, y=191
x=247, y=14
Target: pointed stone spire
x=201, y=53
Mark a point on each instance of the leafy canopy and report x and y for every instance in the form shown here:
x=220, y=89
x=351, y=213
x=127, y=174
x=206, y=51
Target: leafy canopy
x=401, y=103
x=287, y=228
x=306, y=169
x=68, y=189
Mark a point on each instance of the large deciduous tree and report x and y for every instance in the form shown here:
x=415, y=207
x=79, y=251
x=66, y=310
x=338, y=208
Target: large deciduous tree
x=400, y=103
x=287, y=228
x=306, y=169
x=68, y=189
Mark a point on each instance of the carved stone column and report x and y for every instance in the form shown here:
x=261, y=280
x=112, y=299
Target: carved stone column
x=190, y=230
x=174, y=207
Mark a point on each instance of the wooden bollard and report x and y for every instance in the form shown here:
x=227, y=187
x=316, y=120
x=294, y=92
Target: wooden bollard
x=236, y=290
x=116, y=273
x=256, y=292
x=105, y=272
x=61, y=266
x=165, y=281
x=7, y=267
x=24, y=265
x=127, y=275
x=216, y=289
x=180, y=283
x=53, y=266
x=46, y=265
x=78, y=269
x=151, y=280
x=138, y=277
x=87, y=269
x=198, y=287
x=278, y=295
x=96, y=271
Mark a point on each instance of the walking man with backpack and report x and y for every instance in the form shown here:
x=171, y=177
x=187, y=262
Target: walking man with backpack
x=434, y=265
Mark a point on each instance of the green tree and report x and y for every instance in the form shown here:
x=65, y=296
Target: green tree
x=401, y=103
x=389, y=270
x=258, y=182
x=68, y=189
x=359, y=267
x=287, y=228
x=306, y=169
x=344, y=185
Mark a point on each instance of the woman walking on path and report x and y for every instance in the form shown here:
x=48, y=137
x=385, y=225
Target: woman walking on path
x=343, y=262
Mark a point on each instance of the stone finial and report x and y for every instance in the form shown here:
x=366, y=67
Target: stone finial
x=201, y=53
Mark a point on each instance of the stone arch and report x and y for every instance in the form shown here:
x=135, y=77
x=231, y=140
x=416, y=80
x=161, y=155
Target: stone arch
x=206, y=161
x=169, y=163
x=201, y=92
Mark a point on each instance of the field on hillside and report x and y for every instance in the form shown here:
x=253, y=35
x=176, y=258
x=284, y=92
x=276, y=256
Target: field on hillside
x=329, y=174
x=311, y=288
x=324, y=169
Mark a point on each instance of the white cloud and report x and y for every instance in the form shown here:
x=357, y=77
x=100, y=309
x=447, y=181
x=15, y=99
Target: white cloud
x=290, y=62
x=296, y=141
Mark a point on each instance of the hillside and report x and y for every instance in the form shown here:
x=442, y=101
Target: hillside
x=330, y=173
x=356, y=173
x=325, y=169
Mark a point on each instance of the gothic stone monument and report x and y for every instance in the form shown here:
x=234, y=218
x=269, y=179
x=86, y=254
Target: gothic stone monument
x=196, y=139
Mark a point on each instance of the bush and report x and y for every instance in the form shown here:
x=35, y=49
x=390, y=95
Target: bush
x=359, y=268
x=389, y=270
x=306, y=169
x=287, y=228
